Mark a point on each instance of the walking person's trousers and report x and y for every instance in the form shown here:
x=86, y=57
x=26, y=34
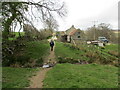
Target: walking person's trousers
x=51, y=48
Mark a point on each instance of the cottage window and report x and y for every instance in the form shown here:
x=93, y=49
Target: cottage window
x=78, y=32
x=78, y=36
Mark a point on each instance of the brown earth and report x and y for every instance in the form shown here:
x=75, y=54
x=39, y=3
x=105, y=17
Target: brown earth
x=37, y=81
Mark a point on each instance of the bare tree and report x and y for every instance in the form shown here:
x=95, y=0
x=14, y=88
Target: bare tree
x=101, y=30
x=92, y=33
x=17, y=12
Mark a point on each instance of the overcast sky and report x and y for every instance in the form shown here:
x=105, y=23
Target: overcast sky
x=82, y=13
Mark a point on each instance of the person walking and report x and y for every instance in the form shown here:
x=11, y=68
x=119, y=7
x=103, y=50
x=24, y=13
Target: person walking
x=51, y=44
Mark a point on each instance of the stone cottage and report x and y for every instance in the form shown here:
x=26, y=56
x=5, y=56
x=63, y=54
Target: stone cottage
x=73, y=34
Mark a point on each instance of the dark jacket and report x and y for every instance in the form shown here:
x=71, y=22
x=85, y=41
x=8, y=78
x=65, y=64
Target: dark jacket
x=51, y=43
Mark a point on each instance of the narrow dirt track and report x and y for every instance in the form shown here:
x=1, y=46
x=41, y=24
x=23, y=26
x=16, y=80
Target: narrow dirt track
x=37, y=81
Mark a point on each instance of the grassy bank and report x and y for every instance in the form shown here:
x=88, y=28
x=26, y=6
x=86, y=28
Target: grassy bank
x=113, y=47
x=36, y=49
x=16, y=77
x=70, y=52
x=30, y=55
x=82, y=76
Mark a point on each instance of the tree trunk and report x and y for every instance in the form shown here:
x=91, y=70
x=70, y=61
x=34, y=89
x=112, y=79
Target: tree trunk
x=7, y=25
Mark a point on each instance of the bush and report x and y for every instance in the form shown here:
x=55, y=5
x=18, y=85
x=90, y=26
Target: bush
x=71, y=60
x=39, y=62
x=20, y=53
x=10, y=50
x=22, y=59
x=8, y=60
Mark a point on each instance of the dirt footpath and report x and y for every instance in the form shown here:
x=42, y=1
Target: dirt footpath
x=37, y=81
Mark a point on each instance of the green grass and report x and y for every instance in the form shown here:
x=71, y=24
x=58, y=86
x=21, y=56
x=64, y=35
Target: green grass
x=36, y=49
x=16, y=77
x=111, y=51
x=16, y=35
x=82, y=76
x=91, y=53
x=63, y=51
x=112, y=47
x=0, y=76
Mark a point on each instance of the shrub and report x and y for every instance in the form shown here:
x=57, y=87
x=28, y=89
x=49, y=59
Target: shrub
x=71, y=60
x=39, y=62
x=8, y=60
x=22, y=59
x=62, y=60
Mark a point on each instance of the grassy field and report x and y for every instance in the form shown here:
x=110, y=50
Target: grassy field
x=62, y=75
x=63, y=51
x=16, y=77
x=82, y=76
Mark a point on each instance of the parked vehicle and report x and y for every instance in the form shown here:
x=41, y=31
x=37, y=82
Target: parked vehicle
x=103, y=39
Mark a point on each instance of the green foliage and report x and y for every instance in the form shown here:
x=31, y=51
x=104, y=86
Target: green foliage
x=68, y=60
x=16, y=77
x=9, y=50
x=15, y=35
x=39, y=62
x=100, y=54
x=30, y=55
x=82, y=76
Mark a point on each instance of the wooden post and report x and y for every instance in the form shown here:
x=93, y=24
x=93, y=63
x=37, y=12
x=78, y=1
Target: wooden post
x=73, y=41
